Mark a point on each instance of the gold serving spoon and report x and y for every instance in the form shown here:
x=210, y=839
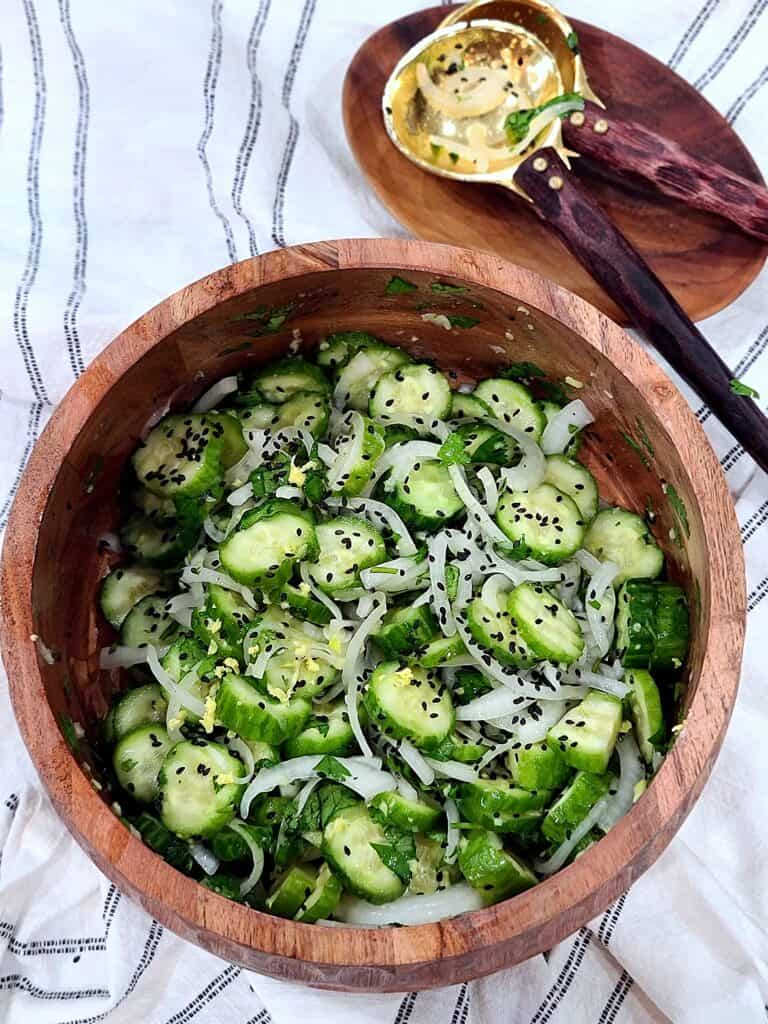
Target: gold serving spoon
x=482, y=102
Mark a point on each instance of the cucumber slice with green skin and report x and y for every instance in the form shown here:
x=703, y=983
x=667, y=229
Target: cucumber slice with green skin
x=348, y=848
x=183, y=655
x=492, y=628
x=306, y=409
x=148, y=623
x=125, y=587
x=512, y=403
x=258, y=417
x=405, y=630
x=324, y=898
x=181, y=455
x=358, y=378
x=337, y=349
x=348, y=544
x=409, y=703
x=304, y=606
x=233, y=445
x=327, y=732
x=418, y=392
x=499, y=805
x=254, y=715
x=396, y=433
x=442, y=651
x=391, y=808
x=138, y=758
x=574, y=479
x=646, y=712
x=142, y=706
x=229, y=845
x=469, y=407
x=269, y=541
x=159, y=510
x=551, y=409
x=459, y=748
x=291, y=890
x=229, y=609
x=538, y=766
x=543, y=523
x=469, y=684
x=488, y=867
x=652, y=627
x=264, y=754
x=426, y=498
x=281, y=380
x=108, y=727
x=617, y=535
x=197, y=796
x=573, y=805
x=158, y=838
x=157, y=544
x=484, y=444
x=267, y=811
x=549, y=628
x=587, y=734
x=359, y=443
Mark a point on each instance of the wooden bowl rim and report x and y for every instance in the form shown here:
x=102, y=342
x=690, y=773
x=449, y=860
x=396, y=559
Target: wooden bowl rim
x=543, y=915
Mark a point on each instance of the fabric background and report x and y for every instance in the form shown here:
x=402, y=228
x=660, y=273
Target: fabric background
x=142, y=145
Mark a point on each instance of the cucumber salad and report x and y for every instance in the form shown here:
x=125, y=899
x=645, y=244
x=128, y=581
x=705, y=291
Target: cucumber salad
x=390, y=657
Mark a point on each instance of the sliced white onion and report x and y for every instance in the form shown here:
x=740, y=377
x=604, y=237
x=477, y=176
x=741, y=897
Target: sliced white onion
x=207, y=860
x=595, y=680
x=405, y=789
x=246, y=756
x=192, y=574
x=485, y=476
x=587, y=561
x=349, y=436
x=456, y=899
x=211, y=398
x=305, y=793
x=534, y=729
x=398, y=574
x=563, y=852
x=416, y=762
x=437, y=547
x=213, y=531
x=289, y=492
x=353, y=669
x=110, y=540
x=559, y=432
x=400, y=458
x=600, y=591
x=365, y=780
x=453, y=834
x=631, y=772
x=240, y=495
x=184, y=698
x=488, y=528
x=452, y=770
x=365, y=605
x=378, y=510
x=317, y=593
x=532, y=467
x=568, y=588
x=257, y=857
x=122, y=657
x=486, y=91
x=496, y=704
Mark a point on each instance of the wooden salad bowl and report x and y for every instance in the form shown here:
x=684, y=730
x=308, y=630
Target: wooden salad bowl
x=53, y=561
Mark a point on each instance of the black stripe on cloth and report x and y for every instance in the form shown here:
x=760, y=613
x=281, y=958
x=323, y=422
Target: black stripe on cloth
x=252, y=124
x=278, y=207
x=746, y=363
x=740, y=102
x=756, y=596
x=755, y=521
x=147, y=956
x=692, y=32
x=611, y=919
x=33, y=207
x=406, y=1008
x=731, y=46
x=71, y=332
x=12, y=803
x=462, y=999
x=54, y=947
x=208, y=994
x=18, y=983
x=209, y=95
x=262, y=1017
x=616, y=998
x=564, y=979
x=33, y=427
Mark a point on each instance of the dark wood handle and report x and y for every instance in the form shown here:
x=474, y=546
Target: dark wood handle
x=628, y=151
x=626, y=277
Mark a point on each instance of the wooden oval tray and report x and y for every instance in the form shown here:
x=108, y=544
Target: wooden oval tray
x=703, y=260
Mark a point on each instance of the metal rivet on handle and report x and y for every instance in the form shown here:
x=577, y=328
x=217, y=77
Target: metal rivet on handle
x=540, y=163
x=577, y=118
x=555, y=182
x=601, y=126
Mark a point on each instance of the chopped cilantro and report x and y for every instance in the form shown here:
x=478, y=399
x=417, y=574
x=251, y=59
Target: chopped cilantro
x=453, y=451
x=743, y=389
x=678, y=507
x=447, y=289
x=573, y=41
x=332, y=768
x=457, y=320
x=397, y=852
x=518, y=122
x=636, y=448
x=399, y=286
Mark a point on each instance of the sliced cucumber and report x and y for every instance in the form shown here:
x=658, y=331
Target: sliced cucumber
x=391, y=808
x=337, y=349
x=460, y=748
x=304, y=606
x=281, y=380
x=442, y=651
x=242, y=707
x=409, y=703
x=323, y=899
x=148, y=623
x=574, y=479
x=137, y=760
x=198, y=791
x=573, y=805
x=549, y=628
x=397, y=433
x=469, y=684
x=512, y=403
x=616, y=535
x=348, y=544
x=181, y=455
x=269, y=541
x=646, y=712
x=358, y=378
x=327, y=732
x=538, y=766
x=495, y=872
x=426, y=498
x=142, y=706
x=416, y=394
x=160, y=510
x=652, y=628
x=233, y=445
x=587, y=734
x=125, y=587
x=182, y=656
x=161, y=544
x=306, y=409
x=348, y=846
x=469, y=407
x=290, y=891
x=406, y=630
x=543, y=523
x=499, y=805
x=258, y=417
x=228, y=618
x=492, y=628
x=359, y=443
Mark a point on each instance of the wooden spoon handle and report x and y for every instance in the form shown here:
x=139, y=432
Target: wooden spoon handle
x=627, y=150
x=597, y=244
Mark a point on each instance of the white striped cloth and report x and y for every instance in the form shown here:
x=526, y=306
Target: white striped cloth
x=143, y=144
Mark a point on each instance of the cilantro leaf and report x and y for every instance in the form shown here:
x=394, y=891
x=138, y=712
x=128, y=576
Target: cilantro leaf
x=522, y=371
x=743, y=389
x=457, y=320
x=322, y=725
x=572, y=40
x=595, y=604
x=333, y=799
x=332, y=768
x=447, y=289
x=453, y=451
x=518, y=122
x=397, y=853
x=399, y=286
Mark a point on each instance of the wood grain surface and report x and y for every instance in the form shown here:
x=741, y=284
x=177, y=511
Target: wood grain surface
x=705, y=261
x=52, y=565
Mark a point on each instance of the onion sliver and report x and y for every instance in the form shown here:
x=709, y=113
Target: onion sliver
x=456, y=899
x=211, y=398
x=559, y=432
x=452, y=770
x=208, y=861
x=631, y=772
x=454, y=834
x=183, y=697
x=378, y=510
x=352, y=673
x=257, y=856
x=563, y=852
